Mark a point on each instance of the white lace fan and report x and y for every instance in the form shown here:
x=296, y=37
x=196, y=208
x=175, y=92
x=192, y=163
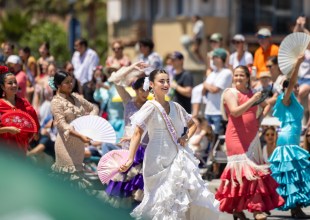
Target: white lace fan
x=96, y=128
x=291, y=47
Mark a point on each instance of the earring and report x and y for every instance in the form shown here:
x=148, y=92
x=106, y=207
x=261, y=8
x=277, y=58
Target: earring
x=3, y=94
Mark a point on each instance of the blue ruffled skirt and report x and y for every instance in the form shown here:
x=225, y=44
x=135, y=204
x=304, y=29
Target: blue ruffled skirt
x=290, y=167
x=124, y=185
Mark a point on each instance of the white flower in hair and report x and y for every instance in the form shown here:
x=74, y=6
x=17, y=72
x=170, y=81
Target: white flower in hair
x=146, y=84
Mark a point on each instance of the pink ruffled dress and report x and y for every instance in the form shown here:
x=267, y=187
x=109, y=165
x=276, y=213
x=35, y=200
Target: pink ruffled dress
x=246, y=182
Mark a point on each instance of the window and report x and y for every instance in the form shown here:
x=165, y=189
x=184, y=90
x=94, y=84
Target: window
x=278, y=14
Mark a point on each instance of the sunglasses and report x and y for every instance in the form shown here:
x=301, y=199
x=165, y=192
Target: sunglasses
x=262, y=37
x=269, y=66
x=307, y=135
x=268, y=135
x=117, y=48
x=236, y=42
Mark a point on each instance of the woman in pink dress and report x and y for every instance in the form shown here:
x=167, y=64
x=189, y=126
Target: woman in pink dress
x=246, y=182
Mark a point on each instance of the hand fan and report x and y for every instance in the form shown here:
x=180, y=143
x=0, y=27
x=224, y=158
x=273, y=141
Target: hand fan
x=265, y=94
x=95, y=127
x=19, y=119
x=291, y=47
x=110, y=163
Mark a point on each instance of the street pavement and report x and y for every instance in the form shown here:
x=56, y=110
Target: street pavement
x=275, y=214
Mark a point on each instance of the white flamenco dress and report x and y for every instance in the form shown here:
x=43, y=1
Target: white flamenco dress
x=173, y=187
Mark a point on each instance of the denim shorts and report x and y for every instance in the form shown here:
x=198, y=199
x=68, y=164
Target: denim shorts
x=216, y=121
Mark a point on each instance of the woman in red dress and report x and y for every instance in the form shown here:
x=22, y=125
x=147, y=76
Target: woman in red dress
x=10, y=101
x=246, y=183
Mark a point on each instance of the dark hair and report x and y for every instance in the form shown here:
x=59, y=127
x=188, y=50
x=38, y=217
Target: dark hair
x=155, y=72
x=247, y=73
x=269, y=128
x=59, y=77
x=285, y=84
x=273, y=59
x=27, y=50
x=138, y=83
x=2, y=79
x=82, y=41
x=147, y=43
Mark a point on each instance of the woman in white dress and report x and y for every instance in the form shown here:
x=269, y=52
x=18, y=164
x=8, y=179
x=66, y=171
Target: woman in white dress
x=173, y=187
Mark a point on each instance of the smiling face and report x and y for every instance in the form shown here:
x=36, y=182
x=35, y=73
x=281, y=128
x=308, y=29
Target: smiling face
x=161, y=84
x=10, y=86
x=240, y=79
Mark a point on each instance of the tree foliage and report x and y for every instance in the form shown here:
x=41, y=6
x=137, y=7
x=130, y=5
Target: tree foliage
x=48, y=32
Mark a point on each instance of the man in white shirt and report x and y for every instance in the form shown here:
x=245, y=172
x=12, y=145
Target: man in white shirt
x=84, y=61
x=218, y=80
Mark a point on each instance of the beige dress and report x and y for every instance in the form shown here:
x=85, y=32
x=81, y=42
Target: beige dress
x=69, y=149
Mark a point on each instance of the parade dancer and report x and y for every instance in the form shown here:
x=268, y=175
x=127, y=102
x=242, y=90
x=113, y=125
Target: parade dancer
x=126, y=188
x=11, y=101
x=245, y=182
x=290, y=163
x=69, y=145
x=173, y=188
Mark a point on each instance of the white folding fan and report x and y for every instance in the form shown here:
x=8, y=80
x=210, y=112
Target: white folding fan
x=110, y=163
x=96, y=128
x=291, y=47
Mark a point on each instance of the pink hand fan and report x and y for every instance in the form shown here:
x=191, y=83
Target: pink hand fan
x=110, y=163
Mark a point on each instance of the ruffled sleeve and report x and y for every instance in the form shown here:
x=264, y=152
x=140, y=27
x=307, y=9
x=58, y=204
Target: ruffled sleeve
x=89, y=107
x=184, y=115
x=57, y=109
x=291, y=113
x=124, y=76
x=142, y=117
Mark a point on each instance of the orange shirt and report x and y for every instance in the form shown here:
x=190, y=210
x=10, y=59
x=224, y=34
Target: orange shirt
x=261, y=57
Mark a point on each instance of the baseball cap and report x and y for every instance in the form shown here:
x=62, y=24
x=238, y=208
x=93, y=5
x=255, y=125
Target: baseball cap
x=264, y=32
x=265, y=74
x=14, y=59
x=239, y=37
x=216, y=37
x=220, y=52
x=177, y=55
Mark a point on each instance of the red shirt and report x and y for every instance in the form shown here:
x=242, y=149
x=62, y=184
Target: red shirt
x=21, y=140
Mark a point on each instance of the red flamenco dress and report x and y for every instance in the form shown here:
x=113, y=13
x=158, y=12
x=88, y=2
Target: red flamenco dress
x=246, y=183
x=20, y=140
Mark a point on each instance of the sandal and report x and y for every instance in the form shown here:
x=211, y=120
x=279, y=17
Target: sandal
x=259, y=216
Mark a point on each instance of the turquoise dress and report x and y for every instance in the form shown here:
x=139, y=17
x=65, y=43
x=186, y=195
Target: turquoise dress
x=290, y=163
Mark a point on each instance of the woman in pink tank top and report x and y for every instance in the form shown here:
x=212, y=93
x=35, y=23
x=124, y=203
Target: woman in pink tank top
x=246, y=181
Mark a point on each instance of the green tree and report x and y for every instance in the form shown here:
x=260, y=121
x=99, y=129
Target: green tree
x=13, y=24
x=48, y=32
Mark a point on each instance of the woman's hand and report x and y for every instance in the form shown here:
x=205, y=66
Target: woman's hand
x=139, y=66
x=12, y=130
x=124, y=139
x=85, y=139
x=124, y=167
x=257, y=96
x=183, y=140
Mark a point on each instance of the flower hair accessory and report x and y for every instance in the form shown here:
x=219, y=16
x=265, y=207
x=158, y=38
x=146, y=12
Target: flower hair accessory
x=146, y=84
x=51, y=83
x=4, y=69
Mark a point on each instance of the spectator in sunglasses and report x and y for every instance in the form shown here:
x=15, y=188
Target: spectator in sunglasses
x=241, y=56
x=118, y=58
x=265, y=50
